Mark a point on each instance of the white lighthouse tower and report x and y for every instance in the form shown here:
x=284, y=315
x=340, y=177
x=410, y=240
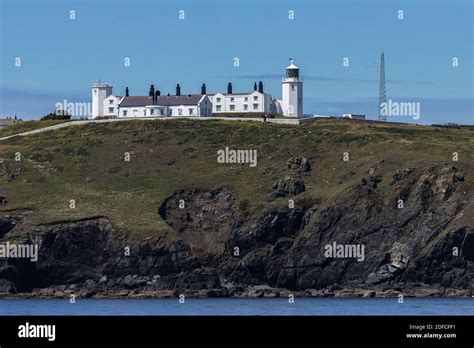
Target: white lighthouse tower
x=100, y=91
x=292, y=92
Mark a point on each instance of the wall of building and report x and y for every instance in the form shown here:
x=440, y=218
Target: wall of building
x=110, y=106
x=242, y=103
x=132, y=111
x=184, y=110
x=99, y=93
x=204, y=108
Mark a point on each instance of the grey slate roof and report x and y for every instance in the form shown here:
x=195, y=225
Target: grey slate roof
x=213, y=94
x=164, y=100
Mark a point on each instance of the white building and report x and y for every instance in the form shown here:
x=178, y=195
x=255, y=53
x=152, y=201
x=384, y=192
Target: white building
x=241, y=103
x=257, y=101
x=104, y=103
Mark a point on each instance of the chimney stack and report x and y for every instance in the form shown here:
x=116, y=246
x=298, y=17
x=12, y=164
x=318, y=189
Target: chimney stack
x=229, y=88
x=126, y=92
x=158, y=93
x=178, y=90
x=255, y=86
x=260, y=86
x=203, y=88
x=152, y=94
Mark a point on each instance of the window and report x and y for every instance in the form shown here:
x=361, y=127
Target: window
x=152, y=111
x=246, y=107
x=124, y=113
x=111, y=110
x=218, y=100
x=292, y=87
x=111, y=101
x=246, y=99
x=232, y=100
x=161, y=112
x=180, y=112
x=232, y=108
x=255, y=98
x=190, y=111
x=255, y=106
x=170, y=112
x=218, y=108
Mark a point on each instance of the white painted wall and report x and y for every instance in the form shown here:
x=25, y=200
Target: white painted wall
x=203, y=108
x=110, y=105
x=100, y=91
x=132, y=111
x=243, y=103
x=292, y=97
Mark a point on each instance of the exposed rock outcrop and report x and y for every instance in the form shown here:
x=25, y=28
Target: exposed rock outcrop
x=292, y=184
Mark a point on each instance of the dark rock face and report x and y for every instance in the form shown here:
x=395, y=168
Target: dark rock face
x=393, y=238
x=409, y=234
x=205, y=218
x=292, y=184
x=289, y=186
x=7, y=286
x=7, y=223
x=81, y=251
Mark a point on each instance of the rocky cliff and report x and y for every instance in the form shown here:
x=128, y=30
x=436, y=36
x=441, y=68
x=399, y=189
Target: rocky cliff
x=413, y=232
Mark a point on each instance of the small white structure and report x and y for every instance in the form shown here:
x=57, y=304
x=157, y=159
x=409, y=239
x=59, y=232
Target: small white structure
x=353, y=116
x=105, y=104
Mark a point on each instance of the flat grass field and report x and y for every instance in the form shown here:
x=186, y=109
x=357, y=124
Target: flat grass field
x=85, y=163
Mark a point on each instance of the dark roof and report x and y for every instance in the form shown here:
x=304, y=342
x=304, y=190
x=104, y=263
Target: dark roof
x=164, y=100
x=213, y=94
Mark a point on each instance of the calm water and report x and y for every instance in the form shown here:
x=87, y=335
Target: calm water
x=302, y=306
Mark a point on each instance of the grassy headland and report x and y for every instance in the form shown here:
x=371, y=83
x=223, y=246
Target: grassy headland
x=85, y=163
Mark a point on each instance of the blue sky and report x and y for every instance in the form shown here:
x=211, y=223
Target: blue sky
x=60, y=58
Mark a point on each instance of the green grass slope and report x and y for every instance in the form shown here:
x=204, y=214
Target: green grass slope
x=26, y=126
x=86, y=163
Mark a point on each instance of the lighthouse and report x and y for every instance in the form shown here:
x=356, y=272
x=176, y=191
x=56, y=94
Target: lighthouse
x=292, y=92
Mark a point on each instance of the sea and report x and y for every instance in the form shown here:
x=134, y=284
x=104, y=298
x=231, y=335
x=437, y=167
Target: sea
x=239, y=307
